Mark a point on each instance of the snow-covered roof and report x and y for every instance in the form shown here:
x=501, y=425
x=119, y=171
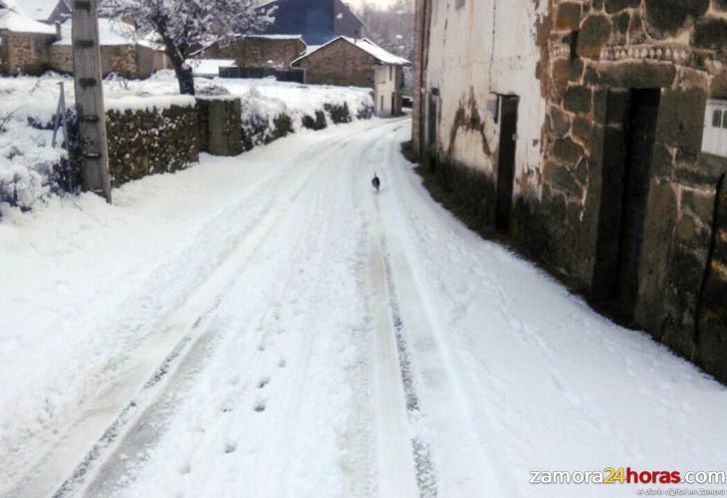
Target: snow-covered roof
x=111, y=32
x=40, y=10
x=209, y=67
x=9, y=4
x=310, y=49
x=275, y=37
x=381, y=55
x=13, y=19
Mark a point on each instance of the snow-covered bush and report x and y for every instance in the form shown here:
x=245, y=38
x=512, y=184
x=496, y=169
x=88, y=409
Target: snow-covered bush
x=31, y=169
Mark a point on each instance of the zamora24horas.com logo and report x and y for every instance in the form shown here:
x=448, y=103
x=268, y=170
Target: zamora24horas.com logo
x=628, y=475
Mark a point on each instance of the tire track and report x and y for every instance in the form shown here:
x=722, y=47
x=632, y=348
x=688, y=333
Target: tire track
x=181, y=317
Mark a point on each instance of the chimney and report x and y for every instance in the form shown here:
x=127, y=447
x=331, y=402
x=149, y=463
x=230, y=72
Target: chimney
x=59, y=35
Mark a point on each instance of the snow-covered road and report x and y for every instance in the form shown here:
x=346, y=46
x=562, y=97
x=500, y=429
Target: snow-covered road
x=268, y=326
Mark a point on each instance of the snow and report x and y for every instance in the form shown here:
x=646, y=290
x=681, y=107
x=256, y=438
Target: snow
x=209, y=67
x=111, y=32
x=40, y=10
x=9, y=4
x=29, y=105
x=381, y=55
x=17, y=22
x=269, y=326
x=157, y=103
x=310, y=49
x=275, y=37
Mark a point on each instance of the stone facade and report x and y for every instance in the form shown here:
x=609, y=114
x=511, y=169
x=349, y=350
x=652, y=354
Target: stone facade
x=129, y=61
x=258, y=51
x=23, y=52
x=608, y=185
x=339, y=63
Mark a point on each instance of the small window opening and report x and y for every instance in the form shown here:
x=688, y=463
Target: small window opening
x=717, y=119
x=724, y=120
x=573, y=44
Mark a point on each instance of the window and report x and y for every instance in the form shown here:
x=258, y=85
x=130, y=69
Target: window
x=382, y=104
x=391, y=71
x=573, y=44
x=714, y=140
x=459, y=4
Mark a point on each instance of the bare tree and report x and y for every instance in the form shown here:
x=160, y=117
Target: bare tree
x=184, y=26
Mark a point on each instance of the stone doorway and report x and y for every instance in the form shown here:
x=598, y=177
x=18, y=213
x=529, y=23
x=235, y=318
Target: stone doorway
x=630, y=133
x=506, y=161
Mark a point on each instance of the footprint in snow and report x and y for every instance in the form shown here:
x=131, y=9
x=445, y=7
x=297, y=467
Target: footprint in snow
x=230, y=447
x=282, y=363
x=260, y=406
x=263, y=382
x=185, y=468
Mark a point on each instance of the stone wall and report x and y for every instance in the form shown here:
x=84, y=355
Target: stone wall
x=150, y=140
x=165, y=134
x=61, y=58
x=600, y=55
x=258, y=51
x=598, y=65
x=129, y=61
x=339, y=63
x=23, y=53
x=712, y=312
x=120, y=59
x=220, y=125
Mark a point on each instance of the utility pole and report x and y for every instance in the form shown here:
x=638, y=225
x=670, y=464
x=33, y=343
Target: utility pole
x=89, y=98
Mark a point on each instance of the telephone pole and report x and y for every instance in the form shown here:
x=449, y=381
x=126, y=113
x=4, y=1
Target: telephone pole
x=88, y=84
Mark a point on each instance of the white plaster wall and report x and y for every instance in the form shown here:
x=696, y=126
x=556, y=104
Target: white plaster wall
x=386, y=87
x=466, y=60
x=715, y=137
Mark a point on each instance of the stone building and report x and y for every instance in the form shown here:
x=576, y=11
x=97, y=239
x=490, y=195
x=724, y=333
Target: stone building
x=121, y=53
x=316, y=20
x=357, y=62
x=257, y=51
x=23, y=41
x=587, y=132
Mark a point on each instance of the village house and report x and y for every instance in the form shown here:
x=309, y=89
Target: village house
x=23, y=41
x=360, y=62
x=257, y=51
x=29, y=46
x=317, y=21
x=121, y=52
x=591, y=134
